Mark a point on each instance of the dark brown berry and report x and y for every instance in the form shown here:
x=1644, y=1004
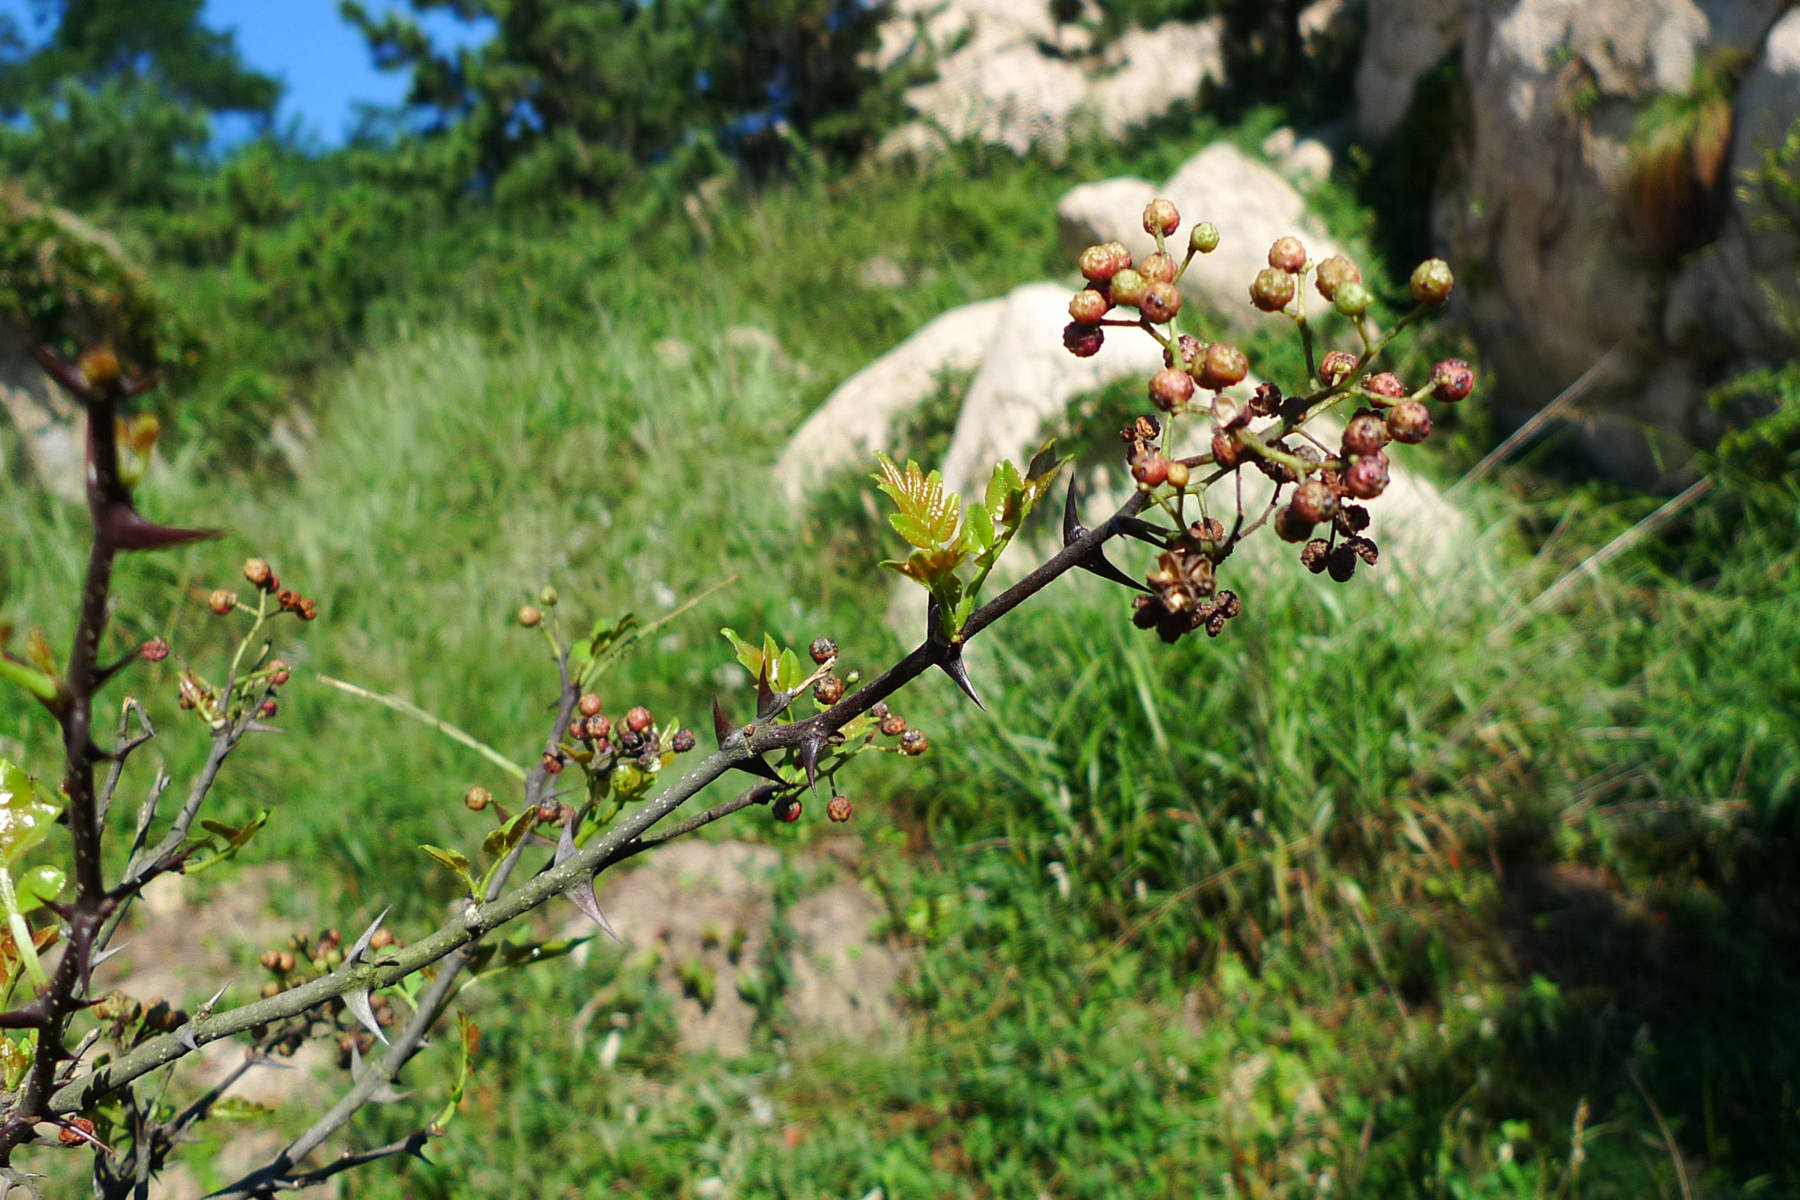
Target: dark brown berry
x=682, y=742
x=1291, y=526
x=1312, y=555
x=914, y=742
x=1351, y=519
x=1227, y=451
x=893, y=725
x=1223, y=365
x=552, y=763
x=1341, y=564
x=786, y=809
x=823, y=650
x=828, y=690
x=1083, y=341
x=879, y=710
x=597, y=727
x=268, y=708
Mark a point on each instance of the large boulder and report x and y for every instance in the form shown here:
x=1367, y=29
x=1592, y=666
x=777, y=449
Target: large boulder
x=47, y=422
x=1008, y=74
x=1553, y=203
x=1406, y=38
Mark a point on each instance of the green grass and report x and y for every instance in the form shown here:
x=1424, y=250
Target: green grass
x=1357, y=890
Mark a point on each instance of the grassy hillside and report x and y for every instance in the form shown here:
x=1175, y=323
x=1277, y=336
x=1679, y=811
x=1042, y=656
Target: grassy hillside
x=1383, y=893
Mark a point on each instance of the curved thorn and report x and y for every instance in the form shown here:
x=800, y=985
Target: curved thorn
x=759, y=766
x=358, y=1004
x=722, y=729
x=767, y=702
x=958, y=671
x=1072, y=530
x=581, y=895
x=362, y=943
x=1098, y=564
x=810, y=748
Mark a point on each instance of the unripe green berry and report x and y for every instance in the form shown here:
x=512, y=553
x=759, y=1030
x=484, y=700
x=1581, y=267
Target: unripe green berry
x=547, y=597
x=1352, y=299
x=1222, y=366
x=1432, y=282
x=1272, y=290
x=1288, y=254
x=1161, y=217
x=1128, y=288
x=1160, y=303
x=1171, y=389
x=1204, y=237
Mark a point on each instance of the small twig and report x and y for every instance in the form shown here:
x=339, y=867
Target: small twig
x=122, y=748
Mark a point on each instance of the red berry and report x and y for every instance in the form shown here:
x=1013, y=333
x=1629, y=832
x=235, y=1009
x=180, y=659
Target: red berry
x=1083, y=341
x=1365, y=433
x=1161, y=217
x=1287, y=254
x=1087, y=306
x=839, y=809
x=823, y=650
x=1158, y=268
x=1273, y=289
x=1336, y=366
x=1452, y=380
x=1150, y=469
x=1385, y=384
x=638, y=719
x=1100, y=263
x=1171, y=389
x=1160, y=303
x=589, y=704
x=596, y=728
x=1409, y=421
x=1367, y=477
x=893, y=724
x=1222, y=366
x=786, y=809
x=154, y=650
x=1314, y=502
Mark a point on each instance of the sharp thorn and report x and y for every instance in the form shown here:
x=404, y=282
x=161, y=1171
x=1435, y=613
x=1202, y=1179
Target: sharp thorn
x=758, y=766
x=1100, y=565
x=362, y=943
x=565, y=845
x=581, y=895
x=810, y=749
x=722, y=729
x=358, y=1004
x=1071, y=525
x=767, y=702
x=958, y=671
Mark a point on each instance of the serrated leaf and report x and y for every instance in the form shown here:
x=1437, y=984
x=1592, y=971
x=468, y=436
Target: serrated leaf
x=978, y=529
x=930, y=567
x=926, y=514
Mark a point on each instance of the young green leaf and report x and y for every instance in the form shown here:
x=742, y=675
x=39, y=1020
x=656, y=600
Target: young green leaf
x=453, y=860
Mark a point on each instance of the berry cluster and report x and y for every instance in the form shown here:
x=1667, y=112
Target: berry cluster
x=599, y=742
x=306, y=957
x=1316, y=484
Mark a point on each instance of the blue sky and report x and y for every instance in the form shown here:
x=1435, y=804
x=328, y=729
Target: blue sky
x=324, y=62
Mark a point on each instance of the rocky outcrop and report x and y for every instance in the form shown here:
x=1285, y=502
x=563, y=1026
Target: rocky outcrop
x=1008, y=74
x=47, y=422
x=1582, y=234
